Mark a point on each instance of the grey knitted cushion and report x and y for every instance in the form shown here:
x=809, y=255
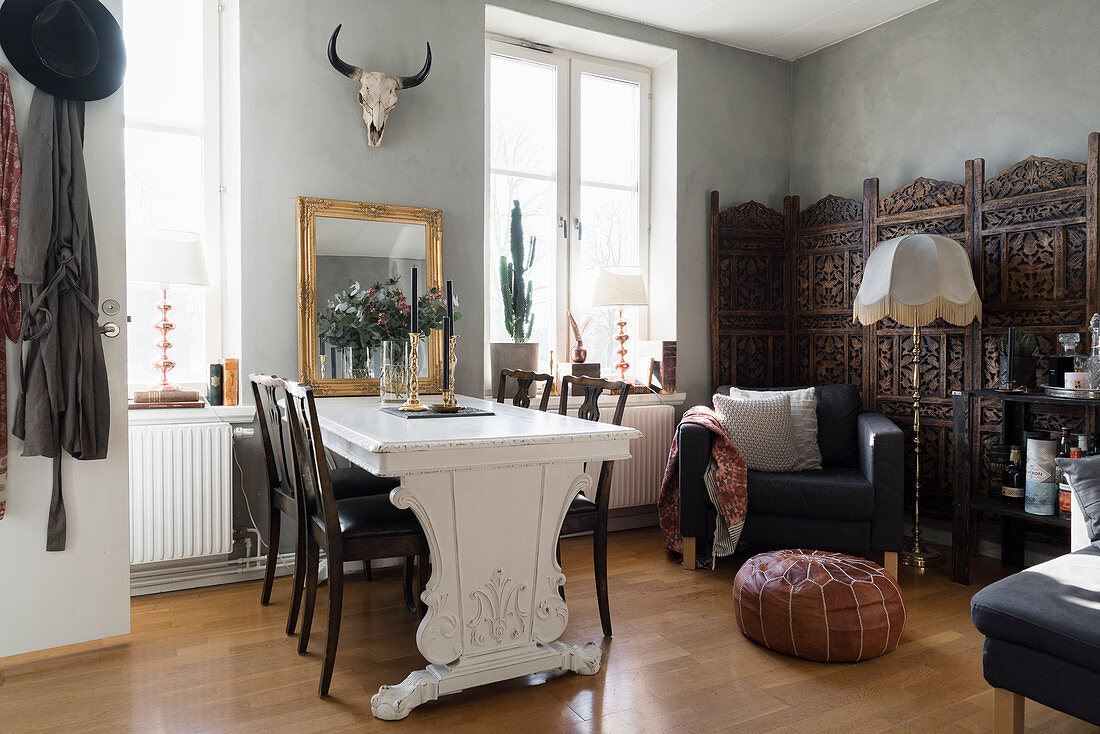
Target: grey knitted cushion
x=807, y=456
x=760, y=428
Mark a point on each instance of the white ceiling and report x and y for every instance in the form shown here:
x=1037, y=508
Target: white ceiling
x=788, y=29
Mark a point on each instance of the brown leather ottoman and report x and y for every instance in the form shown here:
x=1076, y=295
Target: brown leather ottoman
x=819, y=606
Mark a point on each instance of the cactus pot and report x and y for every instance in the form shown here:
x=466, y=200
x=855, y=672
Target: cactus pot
x=508, y=355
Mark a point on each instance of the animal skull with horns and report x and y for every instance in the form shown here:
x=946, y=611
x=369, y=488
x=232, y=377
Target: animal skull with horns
x=377, y=91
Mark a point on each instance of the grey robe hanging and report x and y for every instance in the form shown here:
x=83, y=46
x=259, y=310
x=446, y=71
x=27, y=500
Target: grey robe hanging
x=64, y=402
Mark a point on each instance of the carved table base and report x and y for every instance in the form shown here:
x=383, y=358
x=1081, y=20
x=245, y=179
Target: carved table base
x=494, y=606
x=395, y=702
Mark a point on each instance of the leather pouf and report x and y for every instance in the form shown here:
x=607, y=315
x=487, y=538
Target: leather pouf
x=819, y=606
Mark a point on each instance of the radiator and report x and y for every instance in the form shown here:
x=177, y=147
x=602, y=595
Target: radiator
x=637, y=481
x=180, y=492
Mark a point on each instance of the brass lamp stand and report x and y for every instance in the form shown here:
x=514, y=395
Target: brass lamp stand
x=915, y=553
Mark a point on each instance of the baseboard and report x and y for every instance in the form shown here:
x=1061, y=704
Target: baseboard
x=150, y=579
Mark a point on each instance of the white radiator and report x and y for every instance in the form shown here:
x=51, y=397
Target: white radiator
x=636, y=481
x=180, y=492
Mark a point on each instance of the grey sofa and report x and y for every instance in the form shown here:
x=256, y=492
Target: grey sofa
x=1042, y=638
x=853, y=503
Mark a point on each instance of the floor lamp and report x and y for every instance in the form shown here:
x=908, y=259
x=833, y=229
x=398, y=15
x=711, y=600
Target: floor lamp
x=915, y=279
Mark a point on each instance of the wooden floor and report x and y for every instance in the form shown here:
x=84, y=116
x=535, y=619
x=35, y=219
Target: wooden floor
x=214, y=660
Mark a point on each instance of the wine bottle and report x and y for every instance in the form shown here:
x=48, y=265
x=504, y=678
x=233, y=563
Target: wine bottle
x=1012, y=480
x=1064, y=490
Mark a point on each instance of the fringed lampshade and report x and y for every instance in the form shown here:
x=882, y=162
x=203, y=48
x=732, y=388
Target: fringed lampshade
x=915, y=279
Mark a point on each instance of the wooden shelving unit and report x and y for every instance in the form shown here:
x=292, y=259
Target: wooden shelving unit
x=1014, y=520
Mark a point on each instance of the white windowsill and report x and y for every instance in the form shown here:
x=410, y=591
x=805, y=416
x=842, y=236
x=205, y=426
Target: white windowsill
x=177, y=416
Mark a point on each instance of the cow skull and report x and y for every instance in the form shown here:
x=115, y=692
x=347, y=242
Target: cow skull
x=377, y=91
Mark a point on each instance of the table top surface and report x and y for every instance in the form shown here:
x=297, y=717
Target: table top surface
x=360, y=421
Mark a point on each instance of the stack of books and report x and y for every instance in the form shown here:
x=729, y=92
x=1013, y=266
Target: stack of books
x=167, y=399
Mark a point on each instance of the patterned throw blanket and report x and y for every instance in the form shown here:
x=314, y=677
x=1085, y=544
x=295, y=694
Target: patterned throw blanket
x=727, y=485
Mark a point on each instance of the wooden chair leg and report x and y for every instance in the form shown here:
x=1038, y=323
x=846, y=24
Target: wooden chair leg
x=368, y=572
x=335, y=607
x=599, y=547
x=274, y=526
x=410, y=602
x=890, y=563
x=689, y=553
x=423, y=568
x=301, y=564
x=561, y=589
x=313, y=554
x=1008, y=712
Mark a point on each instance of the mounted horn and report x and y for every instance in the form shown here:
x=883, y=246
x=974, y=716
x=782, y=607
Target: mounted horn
x=408, y=82
x=352, y=72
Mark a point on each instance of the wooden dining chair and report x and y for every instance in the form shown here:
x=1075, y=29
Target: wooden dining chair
x=524, y=379
x=590, y=515
x=349, y=529
x=350, y=482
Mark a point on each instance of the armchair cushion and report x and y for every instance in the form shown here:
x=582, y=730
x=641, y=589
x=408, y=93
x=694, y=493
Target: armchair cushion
x=838, y=408
x=834, y=493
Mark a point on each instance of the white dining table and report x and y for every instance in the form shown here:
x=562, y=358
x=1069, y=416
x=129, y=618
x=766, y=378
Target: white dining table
x=491, y=493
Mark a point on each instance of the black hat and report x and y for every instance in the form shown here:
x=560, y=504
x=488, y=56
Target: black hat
x=72, y=49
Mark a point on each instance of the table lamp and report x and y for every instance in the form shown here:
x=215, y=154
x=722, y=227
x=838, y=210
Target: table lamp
x=915, y=279
x=164, y=257
x=619, y=287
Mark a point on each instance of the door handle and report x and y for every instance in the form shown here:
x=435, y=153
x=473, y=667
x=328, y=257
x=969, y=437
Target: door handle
x=110, y=330
x=577, y=226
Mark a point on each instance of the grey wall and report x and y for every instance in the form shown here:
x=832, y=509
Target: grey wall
x=958, y=79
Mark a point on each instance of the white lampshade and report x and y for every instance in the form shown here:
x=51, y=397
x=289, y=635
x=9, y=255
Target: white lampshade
x=165, y=257
x=620, y=286
x=916, y=279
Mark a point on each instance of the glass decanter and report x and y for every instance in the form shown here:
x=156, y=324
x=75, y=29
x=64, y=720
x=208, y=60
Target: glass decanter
x=1069, y=344
x=1092, y=365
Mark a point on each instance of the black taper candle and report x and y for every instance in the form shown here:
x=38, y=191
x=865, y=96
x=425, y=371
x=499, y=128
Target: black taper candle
x=1011, y=356
x=450, y=303
x=414, y=300
x=446, y=351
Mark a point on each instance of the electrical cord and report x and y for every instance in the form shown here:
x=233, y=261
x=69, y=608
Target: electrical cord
x=248, y=507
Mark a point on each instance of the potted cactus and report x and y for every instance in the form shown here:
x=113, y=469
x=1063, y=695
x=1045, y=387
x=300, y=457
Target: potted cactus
x=515, y=292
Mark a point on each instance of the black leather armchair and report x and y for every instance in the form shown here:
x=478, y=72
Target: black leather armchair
x=854, y=503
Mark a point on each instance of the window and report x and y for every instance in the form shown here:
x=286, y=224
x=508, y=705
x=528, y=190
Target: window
x=172, y=172
x=568, y=140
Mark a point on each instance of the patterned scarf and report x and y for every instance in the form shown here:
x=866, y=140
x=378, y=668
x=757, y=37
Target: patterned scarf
x=730, y=481
x=10, y=308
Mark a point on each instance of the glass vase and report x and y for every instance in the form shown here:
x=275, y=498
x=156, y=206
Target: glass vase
x=394, y=371
x=353, y=363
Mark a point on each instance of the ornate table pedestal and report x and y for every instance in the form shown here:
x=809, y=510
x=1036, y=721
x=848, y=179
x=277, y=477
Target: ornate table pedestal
x=491, y=493
x=494, y=605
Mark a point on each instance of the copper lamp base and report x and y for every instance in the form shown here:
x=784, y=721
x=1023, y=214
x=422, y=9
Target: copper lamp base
x=622, y=338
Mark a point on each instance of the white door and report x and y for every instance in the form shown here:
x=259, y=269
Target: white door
x=82, y=593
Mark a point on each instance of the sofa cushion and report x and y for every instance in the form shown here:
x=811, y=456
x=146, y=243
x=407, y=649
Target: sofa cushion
x=838, y=408
x=803, y=424
x=760, y=428
x=1084, y=479
x=832, y=493
x=1053, y=607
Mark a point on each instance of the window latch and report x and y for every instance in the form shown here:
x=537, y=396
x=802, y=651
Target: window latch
x=577, y=226
x=564, y=227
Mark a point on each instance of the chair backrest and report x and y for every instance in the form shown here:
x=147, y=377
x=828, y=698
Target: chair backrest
x=593, y=387
x=266, y=390
x=523, y=379
x=590, y=410
x=314, y=485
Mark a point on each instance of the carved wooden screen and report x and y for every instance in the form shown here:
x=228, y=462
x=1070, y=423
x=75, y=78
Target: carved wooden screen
x=1034, y=229
x=749, y=295
x=829, y=252
x=935, y=207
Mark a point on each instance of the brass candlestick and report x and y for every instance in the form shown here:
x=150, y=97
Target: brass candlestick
x=412, y=403
x=449, y=399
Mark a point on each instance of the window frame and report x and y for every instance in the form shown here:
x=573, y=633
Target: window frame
x=211, y=133
x=570, y=66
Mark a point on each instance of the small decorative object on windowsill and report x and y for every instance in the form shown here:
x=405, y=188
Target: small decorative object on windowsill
x=580, y=354
x=916, y=279
x=620, y=287
x=214, y=387
x=231, y=377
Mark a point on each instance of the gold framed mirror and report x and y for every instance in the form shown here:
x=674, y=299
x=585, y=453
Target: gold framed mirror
x=345, y=248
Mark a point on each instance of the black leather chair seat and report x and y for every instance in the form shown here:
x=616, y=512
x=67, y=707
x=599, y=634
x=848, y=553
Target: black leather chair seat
x=351, y=482
x=582, y=504
x=836, y=493
x=1052, y=607
x=373, y=516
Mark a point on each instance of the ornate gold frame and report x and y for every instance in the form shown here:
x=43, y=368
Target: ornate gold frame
x=309, y=208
